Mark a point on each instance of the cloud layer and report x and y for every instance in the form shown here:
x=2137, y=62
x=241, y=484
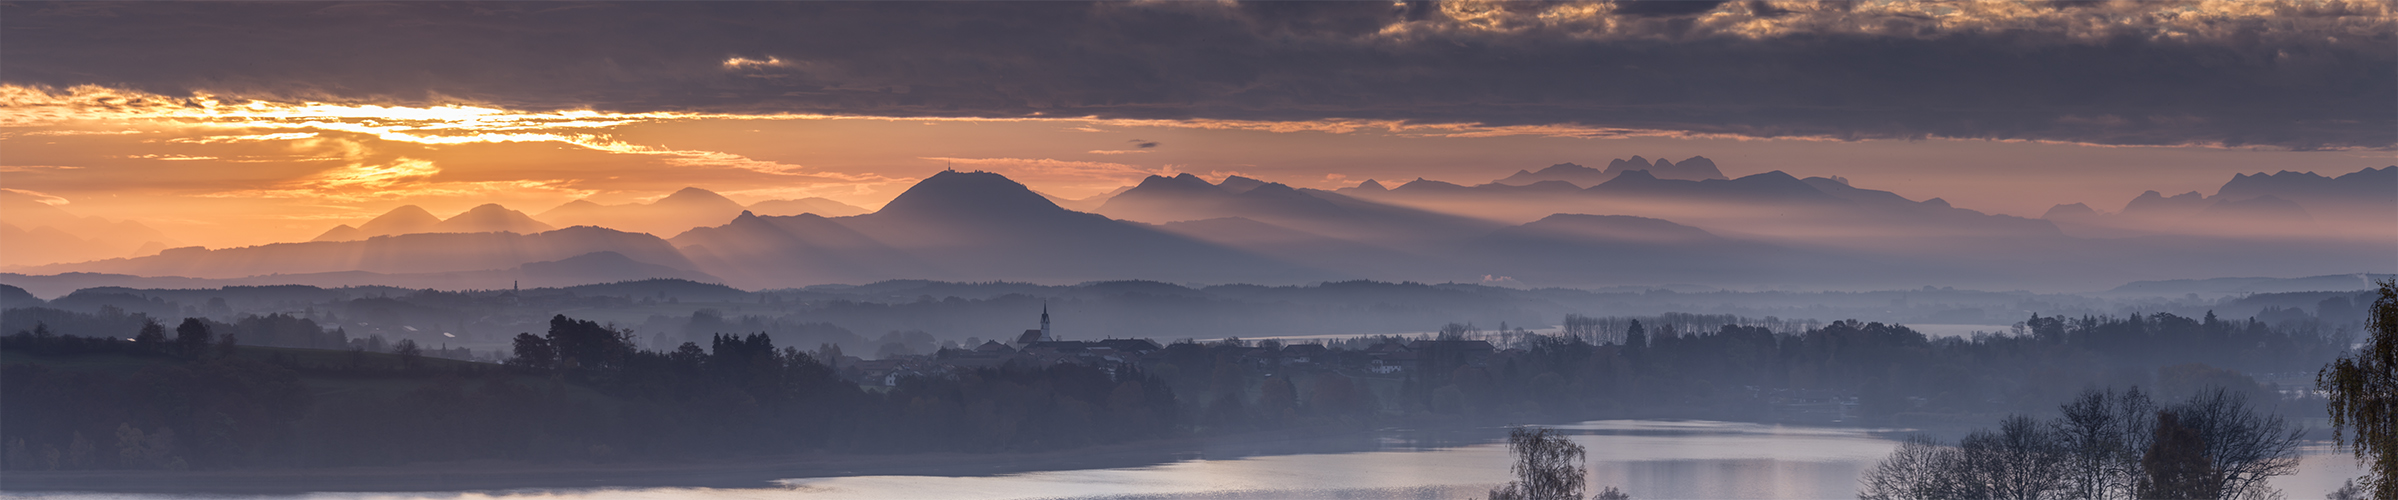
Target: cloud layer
x=2300, y=75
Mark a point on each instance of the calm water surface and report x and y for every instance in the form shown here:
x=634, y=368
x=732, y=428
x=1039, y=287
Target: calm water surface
x=1649, y=459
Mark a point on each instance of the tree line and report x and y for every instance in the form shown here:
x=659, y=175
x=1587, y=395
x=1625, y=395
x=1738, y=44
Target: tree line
x=2102, y=445
x=579, y=391
x=1887, y=371
x=586, y=391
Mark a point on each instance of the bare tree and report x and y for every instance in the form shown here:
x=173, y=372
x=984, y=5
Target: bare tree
x=2021, y=461
x=2102, y=434
x=1547, y=467
x=2245, y=447
x=2104, y=445
x=2089, y=432
x=1918, y=470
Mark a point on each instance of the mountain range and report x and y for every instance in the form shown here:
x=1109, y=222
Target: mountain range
x=1696, y=168
x=2357, y=205
x=397, y=254
x=33, y=232
x=1635, y=227
x=684, y=209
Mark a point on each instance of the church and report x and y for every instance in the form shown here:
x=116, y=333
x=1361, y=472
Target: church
x=1031, y=337
x=1043, y=343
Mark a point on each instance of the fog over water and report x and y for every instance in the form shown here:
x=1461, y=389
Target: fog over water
x=1649, y=459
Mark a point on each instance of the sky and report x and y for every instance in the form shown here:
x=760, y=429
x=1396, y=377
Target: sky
x=227, y=124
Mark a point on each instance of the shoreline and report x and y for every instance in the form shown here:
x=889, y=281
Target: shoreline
x=755, y=472
x=724, y=473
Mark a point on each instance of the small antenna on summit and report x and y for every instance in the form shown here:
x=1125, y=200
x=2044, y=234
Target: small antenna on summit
x=949, y=165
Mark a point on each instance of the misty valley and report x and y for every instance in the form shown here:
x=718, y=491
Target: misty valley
x=1223, y=330
x=293, y=388
x=1175, y=250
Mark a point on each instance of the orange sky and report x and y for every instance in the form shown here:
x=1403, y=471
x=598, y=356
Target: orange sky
x=227, y=124
x=226, y=173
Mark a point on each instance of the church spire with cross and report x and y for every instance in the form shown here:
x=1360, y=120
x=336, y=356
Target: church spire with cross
x=1045, y=321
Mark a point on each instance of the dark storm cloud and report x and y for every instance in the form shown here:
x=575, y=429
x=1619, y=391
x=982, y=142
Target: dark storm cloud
x=2238, y=73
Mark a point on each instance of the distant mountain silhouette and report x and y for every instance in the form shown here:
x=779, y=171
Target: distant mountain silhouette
x=677, y=212
x=2066, y=216
x=1236, y=184
x=491, y=217
x=1185, y=197
x=795, y=250
x=1087, y=203
x=411, y=219
x=341, y=232
x=812, y=205
x=2372, y=185
x=1770, y=207
x=968, y=226
x=1767, y=229
x=1695, y=168
x=1772, y=186
x=1570, y=173
x=2361, y=204
x=32, y=233
x=407, y=219
x=2157, y=206
x=408, y=253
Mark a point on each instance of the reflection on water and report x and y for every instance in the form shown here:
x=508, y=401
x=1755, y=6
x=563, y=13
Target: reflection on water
x=1649, y=459
x=1646, y=458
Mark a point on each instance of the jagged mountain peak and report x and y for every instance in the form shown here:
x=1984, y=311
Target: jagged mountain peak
x=1695, y=168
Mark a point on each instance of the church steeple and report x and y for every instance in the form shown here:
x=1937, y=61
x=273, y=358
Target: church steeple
x=1045, y=321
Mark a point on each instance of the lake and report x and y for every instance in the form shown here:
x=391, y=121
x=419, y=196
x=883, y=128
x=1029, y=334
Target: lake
x=1648, y=458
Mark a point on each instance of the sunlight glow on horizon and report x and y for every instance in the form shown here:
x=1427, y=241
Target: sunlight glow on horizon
x=265, y=170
